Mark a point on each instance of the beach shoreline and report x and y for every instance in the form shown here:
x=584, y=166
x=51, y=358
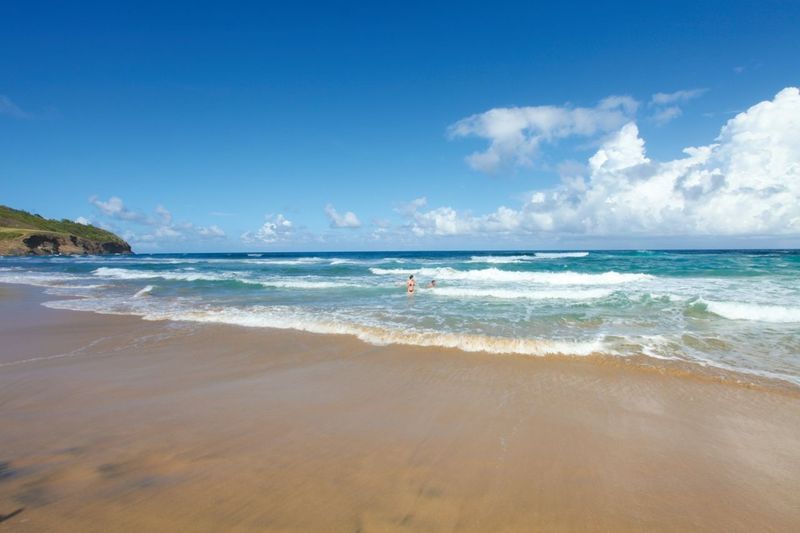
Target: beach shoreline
x=119, y=424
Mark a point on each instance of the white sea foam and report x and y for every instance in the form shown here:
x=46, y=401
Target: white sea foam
x=758, y=312
x=255, y=255
x=144, y=292
x=507, y=294
x=496, y=275
x=512, y=259
x=306, y=284
x=160, y=260
x=501, y=259
x=560, y=255
x=287, y=318
x=126, y=274
x=41, y=279
x=286, y=262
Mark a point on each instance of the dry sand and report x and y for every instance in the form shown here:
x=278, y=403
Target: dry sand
x=117, y=424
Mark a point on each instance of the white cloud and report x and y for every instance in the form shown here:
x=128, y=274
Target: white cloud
x=681, y=96
x=83, y=220
x=746, y=183
x=161, y=226
x=409, y=208
x=211, y=231
x=665, y=105
x=447, y=221
x=275, y=228
x=667, y=114
x=622, y=150
x=165, y=217
x=347, y=220
x=515, y=133
x=167, y=231
x=114, y=207
x=570, y=169
x=381, y=223
x=7, y=107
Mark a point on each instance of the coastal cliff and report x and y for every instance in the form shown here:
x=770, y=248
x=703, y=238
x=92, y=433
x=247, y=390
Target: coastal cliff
x=23, y=233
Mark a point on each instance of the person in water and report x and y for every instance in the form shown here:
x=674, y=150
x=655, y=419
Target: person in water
x=432, y=284
x=411, y=284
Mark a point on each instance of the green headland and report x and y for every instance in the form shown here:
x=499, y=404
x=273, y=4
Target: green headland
x=23, y=233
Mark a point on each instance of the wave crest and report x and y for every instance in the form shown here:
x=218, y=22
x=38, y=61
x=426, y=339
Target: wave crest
x=286, y=318
x=757, y=312
x=513, y=259
x=560, y=255
x=497, y=275
x=507, y=294
x=145, y=291
x=127, y=274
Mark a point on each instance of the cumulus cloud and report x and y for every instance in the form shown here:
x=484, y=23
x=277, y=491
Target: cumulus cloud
x=83, y=220
x=211, y=231
x=347, y=220
x=114, y=207
x=666, y=105
x=516, y=133
x=159, y=226
x=745, y=183
x=275, y=228
x=447, y=221
x=7, y=107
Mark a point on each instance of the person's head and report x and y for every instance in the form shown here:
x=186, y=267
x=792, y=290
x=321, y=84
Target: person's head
x=433, y=282
x=411, y=276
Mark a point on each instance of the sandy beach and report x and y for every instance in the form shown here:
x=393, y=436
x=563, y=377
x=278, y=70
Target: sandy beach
x=112, y=423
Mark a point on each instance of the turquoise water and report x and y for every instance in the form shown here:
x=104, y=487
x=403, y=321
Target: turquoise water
x=732, y=309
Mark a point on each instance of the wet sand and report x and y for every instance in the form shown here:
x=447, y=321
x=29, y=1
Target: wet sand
x=116, y=424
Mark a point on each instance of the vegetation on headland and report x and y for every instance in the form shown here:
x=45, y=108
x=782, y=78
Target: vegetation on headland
x=24, y=233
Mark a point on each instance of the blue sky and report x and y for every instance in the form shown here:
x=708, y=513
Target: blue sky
x=213, y=126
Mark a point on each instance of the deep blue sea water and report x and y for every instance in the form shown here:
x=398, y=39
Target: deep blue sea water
x=732, y=309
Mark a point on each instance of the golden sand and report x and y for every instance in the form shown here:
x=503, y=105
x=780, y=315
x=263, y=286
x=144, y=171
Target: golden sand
x=117, y=424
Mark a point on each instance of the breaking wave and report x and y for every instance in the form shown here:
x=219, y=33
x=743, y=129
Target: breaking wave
x=41, y=279
x=307, y=284
x=507, y=294
x=758, y=312
x=560, y=255
x=496, y=275
x=144, y=292
x=512, y=259
x=286, y=318
x=126, y=274
x=501, y=259
x=287, y=262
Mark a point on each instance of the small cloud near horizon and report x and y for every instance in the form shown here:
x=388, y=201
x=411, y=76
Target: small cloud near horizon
x=346, y=220
x=159, y=226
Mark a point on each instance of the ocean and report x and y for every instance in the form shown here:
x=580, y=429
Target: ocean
x=734, y=309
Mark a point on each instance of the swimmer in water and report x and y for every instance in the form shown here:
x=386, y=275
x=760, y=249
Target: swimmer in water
x=411, y=284
x=432, y=284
